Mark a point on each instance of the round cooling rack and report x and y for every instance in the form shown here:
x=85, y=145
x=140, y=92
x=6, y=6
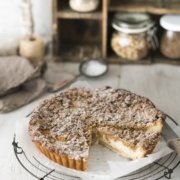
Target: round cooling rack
x=162, y=168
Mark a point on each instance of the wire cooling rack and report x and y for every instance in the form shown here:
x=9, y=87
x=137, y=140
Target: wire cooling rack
x=163, y=168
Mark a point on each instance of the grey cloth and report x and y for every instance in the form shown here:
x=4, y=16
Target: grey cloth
x=14, y=71
x=26, y=93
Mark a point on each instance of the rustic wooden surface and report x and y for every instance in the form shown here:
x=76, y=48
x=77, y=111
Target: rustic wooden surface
x=157, y=7
x=158, y=82
x=69, y=14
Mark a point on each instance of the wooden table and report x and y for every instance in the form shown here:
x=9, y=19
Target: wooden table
x=160, y=83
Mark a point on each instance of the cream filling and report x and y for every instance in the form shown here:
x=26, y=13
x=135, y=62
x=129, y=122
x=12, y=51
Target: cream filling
x=120, y=148
x=157, y=128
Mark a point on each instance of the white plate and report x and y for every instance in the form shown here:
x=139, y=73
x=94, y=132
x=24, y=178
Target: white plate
x=103, y=163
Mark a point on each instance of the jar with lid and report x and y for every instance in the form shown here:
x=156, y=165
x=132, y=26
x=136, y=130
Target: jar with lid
x=133, y=36
x=84, y=5
x=170, y=39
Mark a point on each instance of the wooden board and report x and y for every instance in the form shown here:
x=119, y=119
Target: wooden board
x=149, y=6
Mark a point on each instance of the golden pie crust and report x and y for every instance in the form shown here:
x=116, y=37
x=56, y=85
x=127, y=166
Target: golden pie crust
x=65, y=126
x=63, y=159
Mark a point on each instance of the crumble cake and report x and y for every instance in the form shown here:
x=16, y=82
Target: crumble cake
x=65, y=126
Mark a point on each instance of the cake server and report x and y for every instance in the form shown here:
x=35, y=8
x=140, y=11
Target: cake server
x=172, y=139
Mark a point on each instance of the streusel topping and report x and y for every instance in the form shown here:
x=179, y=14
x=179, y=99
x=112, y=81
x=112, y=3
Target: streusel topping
x=65, y=122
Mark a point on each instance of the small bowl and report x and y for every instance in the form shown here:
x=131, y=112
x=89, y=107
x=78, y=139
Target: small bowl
x=84, y=5
x=83, y=68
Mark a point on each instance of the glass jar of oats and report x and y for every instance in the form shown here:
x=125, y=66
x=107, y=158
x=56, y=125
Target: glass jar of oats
x=133, y=35
x=170, y=39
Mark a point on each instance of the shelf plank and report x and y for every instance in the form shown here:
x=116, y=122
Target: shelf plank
x=159, y=58
x=116, y=60
x=55, y=33
x=123, y=62
x=113, y=59
x=78, y=52
x=70, y=14
x=104, y=28
x=167, y=61
x=153, y=8
x=155, y=57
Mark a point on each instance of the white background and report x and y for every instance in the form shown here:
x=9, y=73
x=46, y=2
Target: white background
x=10, y=18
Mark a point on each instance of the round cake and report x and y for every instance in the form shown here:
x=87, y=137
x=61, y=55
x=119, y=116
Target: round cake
x=66, y=125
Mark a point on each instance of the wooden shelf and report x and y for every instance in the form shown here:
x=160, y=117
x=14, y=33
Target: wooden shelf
x=78, y=52
x=155, y=57
x=159, y=58
x=153, y=7
x=167, y=61
x=114, y=59
x=70, y=14
x=100, y=36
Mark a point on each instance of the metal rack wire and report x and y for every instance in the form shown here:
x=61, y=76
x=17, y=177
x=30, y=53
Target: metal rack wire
x=163, y=168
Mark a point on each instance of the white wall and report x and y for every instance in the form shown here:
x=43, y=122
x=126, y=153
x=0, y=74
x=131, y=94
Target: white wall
x=10, y=17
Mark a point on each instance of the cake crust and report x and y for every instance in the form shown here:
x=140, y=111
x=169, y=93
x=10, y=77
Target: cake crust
x=62, y=126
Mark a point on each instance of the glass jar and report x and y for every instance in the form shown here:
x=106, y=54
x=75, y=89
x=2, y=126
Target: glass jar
x=84, y=5
x=170, y=39
x=132, y=38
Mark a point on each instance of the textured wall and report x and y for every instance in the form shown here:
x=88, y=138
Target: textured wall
x=10, y=17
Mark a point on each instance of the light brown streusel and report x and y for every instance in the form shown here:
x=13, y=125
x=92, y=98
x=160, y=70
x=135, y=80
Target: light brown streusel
x=65, y=122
